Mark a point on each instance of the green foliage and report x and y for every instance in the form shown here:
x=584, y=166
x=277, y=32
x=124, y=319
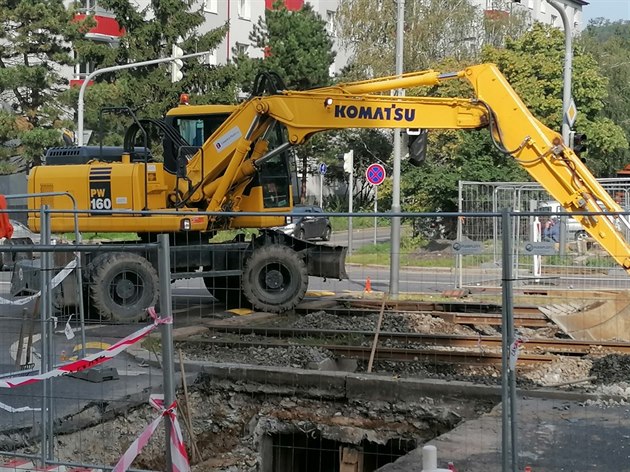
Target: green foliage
x=148, y=91
x=435, y=30
x=609, y=43
x=34, y=41
x=297, y=47
x=533, y=64
x=37, y=140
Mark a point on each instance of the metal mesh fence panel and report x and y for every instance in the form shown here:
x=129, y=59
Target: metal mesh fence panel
x=349, y=379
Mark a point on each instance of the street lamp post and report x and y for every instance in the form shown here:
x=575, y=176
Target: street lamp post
x=87, y=80
x=395, y=233
x=568, y=70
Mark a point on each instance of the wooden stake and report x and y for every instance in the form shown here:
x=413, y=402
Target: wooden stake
x=186, y=413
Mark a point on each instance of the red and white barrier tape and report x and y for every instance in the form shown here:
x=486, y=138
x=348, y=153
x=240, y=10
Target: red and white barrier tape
x=515, y=350
x=56, y=280
x=178, y=450
x=93, y=359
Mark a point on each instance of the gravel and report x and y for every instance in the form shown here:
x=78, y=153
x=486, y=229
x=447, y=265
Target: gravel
x=566, y=370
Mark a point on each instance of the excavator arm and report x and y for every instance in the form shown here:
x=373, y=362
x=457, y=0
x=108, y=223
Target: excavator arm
x=515, y=131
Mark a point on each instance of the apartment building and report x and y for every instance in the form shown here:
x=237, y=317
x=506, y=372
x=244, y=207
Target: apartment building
x=539, y=10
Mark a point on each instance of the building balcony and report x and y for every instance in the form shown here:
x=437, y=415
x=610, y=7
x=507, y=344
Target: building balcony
x=292, y=5
x=496, y=14
x=79, y=82
x=106, y=30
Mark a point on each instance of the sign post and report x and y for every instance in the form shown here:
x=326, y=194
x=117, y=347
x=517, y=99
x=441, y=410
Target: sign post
x=322, y=171
x=375, y=174
x=348, y=166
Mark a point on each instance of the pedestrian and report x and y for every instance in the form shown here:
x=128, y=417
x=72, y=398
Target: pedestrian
x=551, y=230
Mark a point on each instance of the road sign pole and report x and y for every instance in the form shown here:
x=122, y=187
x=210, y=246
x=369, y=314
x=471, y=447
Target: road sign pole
x=350, y=195
x=375, y=211
x=321, y=190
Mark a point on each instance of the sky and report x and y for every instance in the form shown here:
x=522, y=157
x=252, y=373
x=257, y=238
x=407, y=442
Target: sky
x=610, y=9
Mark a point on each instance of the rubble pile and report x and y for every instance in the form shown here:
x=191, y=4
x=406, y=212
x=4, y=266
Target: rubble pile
x=230, y=426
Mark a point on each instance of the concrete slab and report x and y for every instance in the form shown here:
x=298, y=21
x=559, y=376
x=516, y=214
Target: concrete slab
x=553, y=435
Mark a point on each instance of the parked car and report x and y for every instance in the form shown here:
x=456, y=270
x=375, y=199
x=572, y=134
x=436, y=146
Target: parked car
x=574, y=228
x=313, y=224
x=22, y=236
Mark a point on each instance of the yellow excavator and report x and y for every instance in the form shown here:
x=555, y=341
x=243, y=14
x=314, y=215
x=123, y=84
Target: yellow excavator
x=227, y=158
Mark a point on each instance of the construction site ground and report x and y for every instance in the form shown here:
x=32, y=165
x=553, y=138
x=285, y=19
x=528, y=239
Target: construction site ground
x=239, y=411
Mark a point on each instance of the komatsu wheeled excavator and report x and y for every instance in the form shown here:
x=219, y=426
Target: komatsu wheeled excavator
x=224, y=159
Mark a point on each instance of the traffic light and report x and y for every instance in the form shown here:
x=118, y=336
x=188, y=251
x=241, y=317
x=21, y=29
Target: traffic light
x=578, y=143
x=177, y=64
x=417, y=142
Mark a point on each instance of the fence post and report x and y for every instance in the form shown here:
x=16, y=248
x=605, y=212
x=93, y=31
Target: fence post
x=164, y=271
x=46, y=365
x=508, y=376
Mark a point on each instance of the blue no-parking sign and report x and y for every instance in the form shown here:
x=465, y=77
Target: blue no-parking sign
x=375, y=174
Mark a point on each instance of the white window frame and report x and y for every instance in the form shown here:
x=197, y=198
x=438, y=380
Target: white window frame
x=211, y=6
x=242, y=48
x=543, y=6
x=331, y=24
x=244, y=9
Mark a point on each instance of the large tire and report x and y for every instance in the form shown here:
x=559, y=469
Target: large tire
x=275, y=278
x=123, y=286
x=227, y=290
x=327, y=233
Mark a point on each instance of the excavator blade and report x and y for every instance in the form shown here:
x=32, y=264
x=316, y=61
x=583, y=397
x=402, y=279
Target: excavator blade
x=603, y=316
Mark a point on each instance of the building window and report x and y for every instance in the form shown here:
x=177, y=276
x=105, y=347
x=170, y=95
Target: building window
x=530, y=4
x=243, y=9
x=83, y=69
x=210, y=6
x=543, y=6
x=88, y=4
x=330, y=23
x=242, y=48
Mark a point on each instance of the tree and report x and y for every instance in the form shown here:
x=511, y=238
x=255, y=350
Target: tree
x=369, y=146
x=150, y=33
x=609, y=44
x=34, y=40
x=434, y=30
x=297, y=47
x=533, y=66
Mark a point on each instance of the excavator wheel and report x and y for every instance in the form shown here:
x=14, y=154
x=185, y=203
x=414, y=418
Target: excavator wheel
x=227, y=290
x=123, y=286
x=275, y=278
